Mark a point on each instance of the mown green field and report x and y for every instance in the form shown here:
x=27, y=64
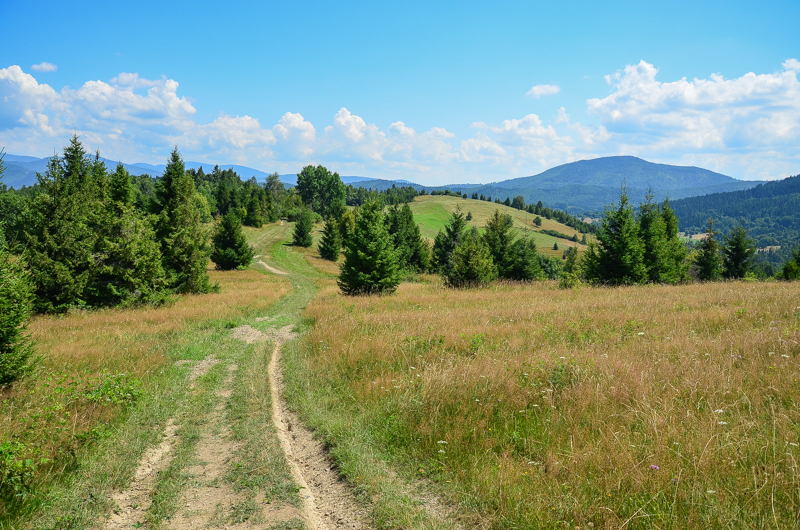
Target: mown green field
x=433, y=211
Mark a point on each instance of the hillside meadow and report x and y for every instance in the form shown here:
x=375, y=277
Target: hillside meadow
x=431, y=212
x=533, y=407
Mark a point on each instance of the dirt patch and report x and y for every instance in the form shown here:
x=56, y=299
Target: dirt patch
x=201, y=368
x=270, y=268
x=251, y=335
x=327, y=501
x=132, y=503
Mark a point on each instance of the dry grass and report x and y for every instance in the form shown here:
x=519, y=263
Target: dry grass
x=639, y=407
x=81, y=351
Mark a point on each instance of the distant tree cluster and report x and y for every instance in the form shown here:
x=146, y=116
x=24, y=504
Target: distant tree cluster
x=465, y=258
x=357, y=196
x=378, y=248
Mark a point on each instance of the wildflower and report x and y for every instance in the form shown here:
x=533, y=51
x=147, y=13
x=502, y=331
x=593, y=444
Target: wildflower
x=654, y=467
x=722, y=423
x=441, y=450
x=719, y=411
x=784, y=356
x=441, y=442
x=711, y=491
x=640, y=333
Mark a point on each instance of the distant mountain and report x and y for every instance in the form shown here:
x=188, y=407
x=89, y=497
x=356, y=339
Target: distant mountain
x=769, y=212
x=21, y=170
x=589, y=185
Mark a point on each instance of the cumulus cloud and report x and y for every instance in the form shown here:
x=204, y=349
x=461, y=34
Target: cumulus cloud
x=747, y=126
x=44, y=67
x=726, y=117
x=538, y=91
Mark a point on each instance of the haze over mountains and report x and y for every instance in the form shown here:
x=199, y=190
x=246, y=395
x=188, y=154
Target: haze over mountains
x=578, y=187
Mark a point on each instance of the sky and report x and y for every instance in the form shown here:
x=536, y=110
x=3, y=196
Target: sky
x=431, y=92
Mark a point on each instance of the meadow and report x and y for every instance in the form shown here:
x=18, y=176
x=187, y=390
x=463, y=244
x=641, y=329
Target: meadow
x=533, y=407
x=431, y=212
x=95, y=367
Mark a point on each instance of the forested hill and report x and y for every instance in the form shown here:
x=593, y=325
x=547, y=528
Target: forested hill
x=769, y=212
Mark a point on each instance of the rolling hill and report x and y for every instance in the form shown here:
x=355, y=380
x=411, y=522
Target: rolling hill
x=431, y=212
x=768, y=211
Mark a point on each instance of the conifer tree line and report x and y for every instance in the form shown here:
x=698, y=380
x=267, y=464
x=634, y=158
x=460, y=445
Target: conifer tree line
x=636, y=247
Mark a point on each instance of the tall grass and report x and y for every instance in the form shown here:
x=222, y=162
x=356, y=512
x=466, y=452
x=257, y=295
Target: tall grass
x=93, y=364
x=636, y=407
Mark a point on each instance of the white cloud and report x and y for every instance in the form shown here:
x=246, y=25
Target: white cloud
x=726, y=118
x=747, y=126
x=44, y=67
x=538, y=91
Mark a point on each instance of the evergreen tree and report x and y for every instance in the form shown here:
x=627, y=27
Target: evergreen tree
x=347, y=223
x=121, y=188
x=446, y=242
x=255, y=213
x=617, y=257
x=330, y=245
x=61, y=226
x=518, y=202
x=791, y=269
x=129, y=266
x=471, y=263
x=498, y=239
x=555, y=245
x=583, y=240
x=301, y=236
x=652, y=230
x=707, y=259
x=16, y=296
x=184, y=239
x=412, y=253
x=738, y=252
x=370, y=264
x=525, y=263
x=537, y=221
x=231, y=250
x=571, y=262
x=676, y=265
x=469, y=216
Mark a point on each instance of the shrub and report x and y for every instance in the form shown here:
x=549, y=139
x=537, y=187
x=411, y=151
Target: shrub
x=16, y=297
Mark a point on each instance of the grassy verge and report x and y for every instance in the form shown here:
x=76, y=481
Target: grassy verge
x=106, y=385
x=642, y=407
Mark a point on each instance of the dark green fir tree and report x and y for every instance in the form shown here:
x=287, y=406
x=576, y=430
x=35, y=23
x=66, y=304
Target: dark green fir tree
x=472, y=263
x=708, y=262
x=301, y=237
x=230, y=248
x=370, y=263
x=738, y=253
x=330, y=244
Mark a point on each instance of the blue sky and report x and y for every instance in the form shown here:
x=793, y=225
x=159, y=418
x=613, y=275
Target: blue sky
x=431, y=92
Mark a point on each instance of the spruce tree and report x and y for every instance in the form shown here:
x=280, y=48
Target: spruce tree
x=707, y=260
x=255, y=210
x=498, y=238
x=738, y=252
x=184, y=239
x=446, y=242
x=412, y=253
x=62, y=223
x=525, y=263
x=791, y=269
x=121, y=188
x=301, y=237
x=676, y=264
x=471, y=264
x=370, y=263
x=330, y=244
x=16, y=297
x=231, y=250
x=347, y=223
x=617, y=256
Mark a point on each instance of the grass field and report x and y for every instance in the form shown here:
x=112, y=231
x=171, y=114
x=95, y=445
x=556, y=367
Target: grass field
x=533, y=407
x=431, y=212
